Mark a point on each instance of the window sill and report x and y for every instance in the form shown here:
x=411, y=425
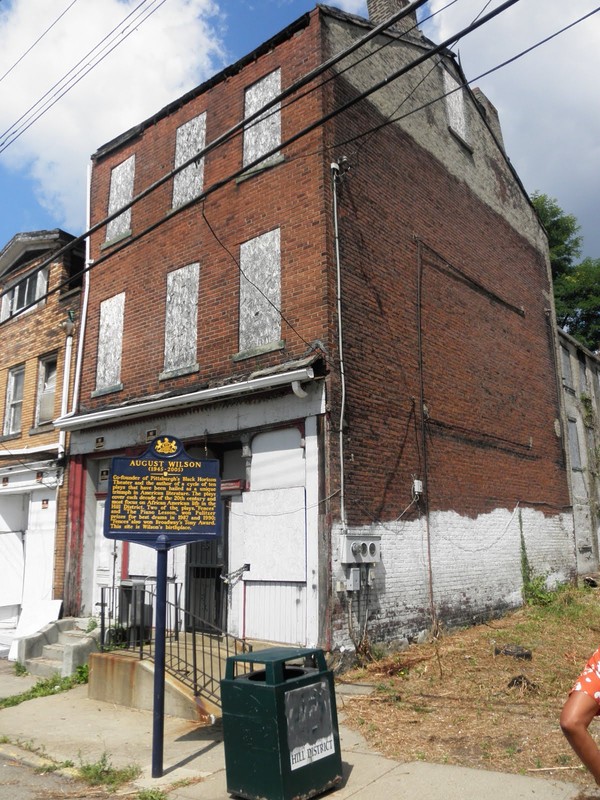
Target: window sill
x=258, y=351
x=259, y=168
x=8, y=436
x=43, y=427
x=462, y=142
x=118, y=387
x=115, y=240
x=176, y=373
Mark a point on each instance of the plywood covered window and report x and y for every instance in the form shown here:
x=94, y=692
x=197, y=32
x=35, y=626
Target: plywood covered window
x=574, y=449
x=181, y=319
x=14, y=400
x=120, y=193
x=567, y=374
x=190, y=139
x=455, y=106
x=110, y=343
x=46, y=390
x=260, y=291
x=264, y=133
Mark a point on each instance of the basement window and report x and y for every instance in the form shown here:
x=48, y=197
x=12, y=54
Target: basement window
x=190, y=139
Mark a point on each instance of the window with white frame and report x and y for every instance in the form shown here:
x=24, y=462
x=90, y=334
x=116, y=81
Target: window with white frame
x=120, y=193
x=110, y=343
x=190, y=139
x=46, y=391
x=181, y=319
x=14, y=400
x=263, y=133
x=260, y=291
x=24, y=293
x=455, y=106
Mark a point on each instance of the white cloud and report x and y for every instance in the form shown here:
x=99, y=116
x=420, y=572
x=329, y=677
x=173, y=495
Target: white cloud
x=164, y=56
x=547, y=100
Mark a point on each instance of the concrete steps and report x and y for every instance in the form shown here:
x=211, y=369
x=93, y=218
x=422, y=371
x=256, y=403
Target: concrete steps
x=59, y=648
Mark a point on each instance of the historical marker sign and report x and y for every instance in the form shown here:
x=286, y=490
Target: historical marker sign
x=164, y=492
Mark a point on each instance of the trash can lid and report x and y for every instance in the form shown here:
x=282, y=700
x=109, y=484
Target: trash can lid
x=270, y=654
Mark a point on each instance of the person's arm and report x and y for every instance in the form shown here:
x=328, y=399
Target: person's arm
x=579, y=710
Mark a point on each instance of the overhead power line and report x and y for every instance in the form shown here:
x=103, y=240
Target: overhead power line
x=66, y=83
x=39, y=39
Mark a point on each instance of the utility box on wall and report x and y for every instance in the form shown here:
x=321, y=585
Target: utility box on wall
x=360, y=549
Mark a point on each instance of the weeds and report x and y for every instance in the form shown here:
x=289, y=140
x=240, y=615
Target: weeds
x=102, y=773
x=20, y=669
x=151, y=794
x=47, y=686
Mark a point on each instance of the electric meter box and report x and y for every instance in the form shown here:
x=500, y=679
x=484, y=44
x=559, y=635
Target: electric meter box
x=360, y=549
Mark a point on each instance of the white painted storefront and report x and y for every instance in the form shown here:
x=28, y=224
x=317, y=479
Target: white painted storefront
x=271, y=525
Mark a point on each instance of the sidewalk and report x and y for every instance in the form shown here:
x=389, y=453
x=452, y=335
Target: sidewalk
x=69, y=726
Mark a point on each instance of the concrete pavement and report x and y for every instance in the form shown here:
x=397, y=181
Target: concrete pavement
x=71, y=727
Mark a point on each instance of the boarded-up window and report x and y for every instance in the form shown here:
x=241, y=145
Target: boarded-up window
x=181, y=318
x=260, y=291
x=566, y=367
x=46, y=390
x=190, y=139
x=574, y=450
x=455, y=105
x=110, y=342
x=14, y=400
x=264, y=133
x=121, y=192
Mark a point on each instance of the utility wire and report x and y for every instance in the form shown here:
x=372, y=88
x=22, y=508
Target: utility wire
x=39, y=39
x=239, y=126
x=28, y=118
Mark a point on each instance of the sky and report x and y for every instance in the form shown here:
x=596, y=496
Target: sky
x=76, y=73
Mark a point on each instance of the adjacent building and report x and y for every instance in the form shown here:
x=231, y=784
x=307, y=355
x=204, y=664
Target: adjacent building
x=39, y=306
x=343, y=295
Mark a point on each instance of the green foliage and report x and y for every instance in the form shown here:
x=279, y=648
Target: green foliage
x=45, y=687
x=563, y=233
x=92, y=625
x=102, y=773
x=535, y=592
x=82, y=674
x=43, y=770
x=151, y=794
x=20, y=669
x=577, y=296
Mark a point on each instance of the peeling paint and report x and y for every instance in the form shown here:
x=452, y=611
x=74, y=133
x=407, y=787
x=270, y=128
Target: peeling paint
x=181, y=320
x=190, y=139
x=260, y=290
x=265, y=132
x=110, y=341
x=121, y=192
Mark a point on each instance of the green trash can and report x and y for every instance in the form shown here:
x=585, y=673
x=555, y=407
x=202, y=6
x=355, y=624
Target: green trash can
x=280, y=725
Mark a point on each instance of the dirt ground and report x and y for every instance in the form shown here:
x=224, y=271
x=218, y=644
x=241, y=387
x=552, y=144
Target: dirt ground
x=473, y=698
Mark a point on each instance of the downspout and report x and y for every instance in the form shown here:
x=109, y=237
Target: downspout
x=64, y=400
x=335, y=177
x=85, y=300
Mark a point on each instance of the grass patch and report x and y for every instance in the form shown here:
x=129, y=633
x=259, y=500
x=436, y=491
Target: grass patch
x=43, y=770
x=460, y=701
x=151, y=794
x=102, y=773
x=47, y=686
x=20, y=669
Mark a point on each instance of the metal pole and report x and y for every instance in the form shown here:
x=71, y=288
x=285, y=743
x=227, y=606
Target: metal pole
x=158, y=728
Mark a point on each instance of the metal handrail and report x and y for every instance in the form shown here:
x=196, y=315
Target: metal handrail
x=196, y=650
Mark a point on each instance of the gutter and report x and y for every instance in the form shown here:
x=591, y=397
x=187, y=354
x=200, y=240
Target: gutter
x=167, y=404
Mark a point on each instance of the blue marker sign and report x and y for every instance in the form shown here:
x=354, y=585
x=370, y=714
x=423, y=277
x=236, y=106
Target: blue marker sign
x=164, y=492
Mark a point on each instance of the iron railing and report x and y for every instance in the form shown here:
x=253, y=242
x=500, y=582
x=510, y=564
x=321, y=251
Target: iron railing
x=195, y=650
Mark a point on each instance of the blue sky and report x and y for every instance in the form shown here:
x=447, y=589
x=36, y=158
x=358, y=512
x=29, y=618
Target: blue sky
x=548, y=101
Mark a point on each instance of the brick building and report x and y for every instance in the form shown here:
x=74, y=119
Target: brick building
x=354, y=316
x=38, y=309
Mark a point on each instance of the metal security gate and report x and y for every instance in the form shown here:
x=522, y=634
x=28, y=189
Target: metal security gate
x=206, y=592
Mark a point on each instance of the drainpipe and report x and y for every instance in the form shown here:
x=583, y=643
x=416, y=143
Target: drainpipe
x=335, y=177
x=68, y=327
x=85, y=300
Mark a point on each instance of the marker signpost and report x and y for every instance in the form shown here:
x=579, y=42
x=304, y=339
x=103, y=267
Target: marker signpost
x=162, y=499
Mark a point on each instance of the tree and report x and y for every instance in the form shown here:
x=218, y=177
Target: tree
x=576, y=286
x=577, y=297
x=563, y=233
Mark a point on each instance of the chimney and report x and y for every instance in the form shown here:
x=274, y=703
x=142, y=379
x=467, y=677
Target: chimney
x=382, y=10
